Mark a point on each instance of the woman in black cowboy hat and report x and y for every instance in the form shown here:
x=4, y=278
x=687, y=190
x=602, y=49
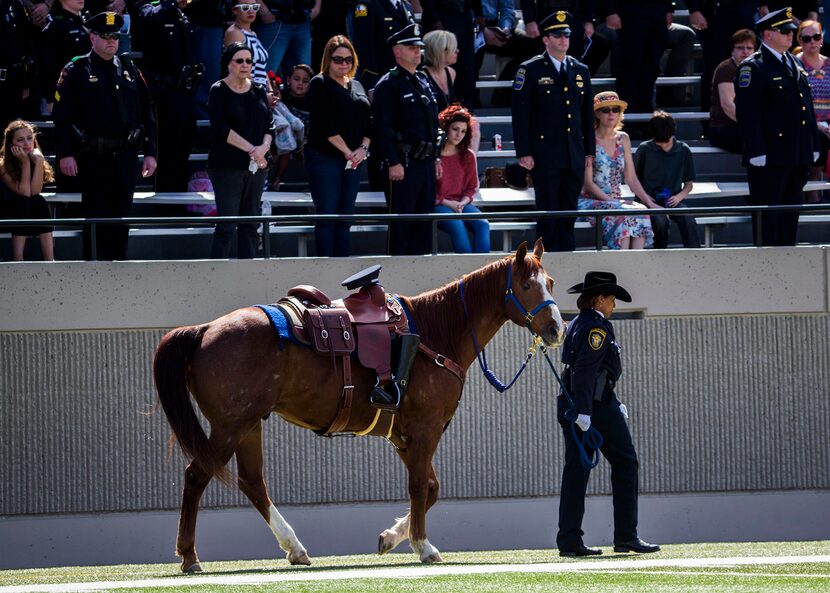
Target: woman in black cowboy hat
x=593, y=367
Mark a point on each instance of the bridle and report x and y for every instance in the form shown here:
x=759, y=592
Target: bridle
x=509, y=297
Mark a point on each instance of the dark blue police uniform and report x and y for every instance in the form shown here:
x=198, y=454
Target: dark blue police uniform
x=774, y=109
x=103, y=118
x=372, y=23
x=592, y=358
x=405, y=115
x=173, y=72
x=553, y=121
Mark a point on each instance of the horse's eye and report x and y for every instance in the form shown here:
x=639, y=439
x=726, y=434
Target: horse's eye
x=526, y=285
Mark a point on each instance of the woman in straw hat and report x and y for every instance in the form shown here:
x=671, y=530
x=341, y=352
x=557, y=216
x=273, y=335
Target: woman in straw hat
x=612, y=167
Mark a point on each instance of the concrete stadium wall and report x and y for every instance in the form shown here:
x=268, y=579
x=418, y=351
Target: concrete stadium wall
x=726, y=376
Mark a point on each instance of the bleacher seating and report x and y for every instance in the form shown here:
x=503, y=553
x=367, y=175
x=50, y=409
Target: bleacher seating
x=721, y=181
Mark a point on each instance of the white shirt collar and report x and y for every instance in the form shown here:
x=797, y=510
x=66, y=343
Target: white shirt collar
x=599, y=313
x=777, y=54
x=556, y=63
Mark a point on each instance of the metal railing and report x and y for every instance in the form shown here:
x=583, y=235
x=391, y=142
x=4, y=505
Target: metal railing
x=758, y=212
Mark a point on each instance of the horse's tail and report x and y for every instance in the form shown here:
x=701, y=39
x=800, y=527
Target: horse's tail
x=170, y=368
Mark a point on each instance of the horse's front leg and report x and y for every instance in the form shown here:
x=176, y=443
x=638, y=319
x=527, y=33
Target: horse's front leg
x=423, y=492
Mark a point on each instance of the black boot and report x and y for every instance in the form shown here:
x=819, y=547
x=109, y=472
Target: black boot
x=388, y=397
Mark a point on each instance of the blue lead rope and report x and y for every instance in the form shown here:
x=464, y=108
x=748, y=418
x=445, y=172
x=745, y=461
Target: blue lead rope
x=591, y=437
x=481, y=356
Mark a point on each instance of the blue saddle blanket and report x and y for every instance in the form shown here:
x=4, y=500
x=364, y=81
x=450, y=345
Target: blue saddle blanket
x=280, y=324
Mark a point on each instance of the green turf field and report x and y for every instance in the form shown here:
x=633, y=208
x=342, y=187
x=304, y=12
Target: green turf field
x=782, y=567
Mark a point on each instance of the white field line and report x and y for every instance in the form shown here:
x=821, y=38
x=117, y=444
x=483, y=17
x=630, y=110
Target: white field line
x=413, y=572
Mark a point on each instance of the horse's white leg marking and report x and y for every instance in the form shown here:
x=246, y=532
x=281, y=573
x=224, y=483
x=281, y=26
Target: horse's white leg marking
x=392, y=537
x=285, y=535
x=426, y=551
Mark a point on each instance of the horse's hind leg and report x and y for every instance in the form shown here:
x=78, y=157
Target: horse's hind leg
x=252, y=484
x=196, y=480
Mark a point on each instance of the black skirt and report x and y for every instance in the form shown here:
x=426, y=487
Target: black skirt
x=15, y=206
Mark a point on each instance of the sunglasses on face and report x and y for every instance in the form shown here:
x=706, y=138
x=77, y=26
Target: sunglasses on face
x=809, y=38
x=609, y=109
x=242, y=61
x=109, y=36
x=247, y=7
x=780, y=32
x=340, y=60
x=559, y=34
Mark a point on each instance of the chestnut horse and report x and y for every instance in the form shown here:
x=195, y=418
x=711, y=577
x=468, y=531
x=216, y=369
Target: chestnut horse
x=234, y=370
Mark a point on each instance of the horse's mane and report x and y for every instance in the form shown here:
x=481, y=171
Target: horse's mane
x=439, y=313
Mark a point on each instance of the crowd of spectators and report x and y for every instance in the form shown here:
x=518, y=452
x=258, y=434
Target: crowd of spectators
x=178, y=45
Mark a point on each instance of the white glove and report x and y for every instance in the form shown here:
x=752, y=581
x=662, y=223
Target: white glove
x=624, y=411
x=815, y=156
x=583, y=421
x=760, y=161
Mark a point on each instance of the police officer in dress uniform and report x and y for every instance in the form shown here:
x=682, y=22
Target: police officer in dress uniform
x=63, y=38
x=103, y=118
x=774, y=109
x=169, y=64
x=372, y=23
x=592, y=358
x=16, y=59
x=408, y=142
x=553, y=128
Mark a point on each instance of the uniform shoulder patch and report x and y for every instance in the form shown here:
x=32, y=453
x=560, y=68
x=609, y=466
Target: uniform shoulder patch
x=519, y=81
x=596, y=338
x=361, y=10
x=744, y=76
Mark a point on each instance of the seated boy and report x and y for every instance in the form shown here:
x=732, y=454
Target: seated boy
x=666, y=170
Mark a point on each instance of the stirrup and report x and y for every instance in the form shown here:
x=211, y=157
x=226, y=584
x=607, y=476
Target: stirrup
x=390, y=402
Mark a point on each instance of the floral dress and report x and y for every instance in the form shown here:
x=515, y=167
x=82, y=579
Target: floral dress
x=609, y=173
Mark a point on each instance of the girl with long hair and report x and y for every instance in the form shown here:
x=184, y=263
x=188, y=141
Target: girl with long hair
x=24, y=170
x=458, y=183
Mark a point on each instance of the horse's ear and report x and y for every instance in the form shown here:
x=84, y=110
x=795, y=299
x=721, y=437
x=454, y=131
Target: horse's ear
x=539, y=249
x=521, y=253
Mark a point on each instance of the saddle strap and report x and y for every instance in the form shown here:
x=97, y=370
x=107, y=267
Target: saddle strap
x=443, y=361
x=345, y=411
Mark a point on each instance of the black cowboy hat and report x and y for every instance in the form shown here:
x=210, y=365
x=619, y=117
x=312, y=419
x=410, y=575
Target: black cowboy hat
x=600, y=283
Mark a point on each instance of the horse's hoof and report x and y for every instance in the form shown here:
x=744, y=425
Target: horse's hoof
x=302, y=559
x=192, y=568
x=385, y=545
x=432, y=558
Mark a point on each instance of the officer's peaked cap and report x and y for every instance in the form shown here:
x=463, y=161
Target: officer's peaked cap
x=409, y=35
x=105, y=22
x=779, y=19
x=556, y=21
x=600, y=283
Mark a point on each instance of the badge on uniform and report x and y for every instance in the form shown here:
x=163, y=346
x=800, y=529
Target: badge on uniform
x=361, y=10
x=62, y=77
x=744, y=77
x=545, y=80
x=127, y=76
x=519, y=81
x=93, y=78
x=596, y=338
x=579, y=83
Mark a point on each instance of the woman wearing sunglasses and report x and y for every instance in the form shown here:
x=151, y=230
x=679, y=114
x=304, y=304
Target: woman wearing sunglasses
x=241, y=132
x=239, y=31
x=604, y=177
x=810, y=36
x=340, y=121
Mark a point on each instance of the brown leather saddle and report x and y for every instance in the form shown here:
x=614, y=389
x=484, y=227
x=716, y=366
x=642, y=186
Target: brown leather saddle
x=362, y=321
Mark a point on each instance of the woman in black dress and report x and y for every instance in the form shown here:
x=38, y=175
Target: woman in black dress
x=24, y=171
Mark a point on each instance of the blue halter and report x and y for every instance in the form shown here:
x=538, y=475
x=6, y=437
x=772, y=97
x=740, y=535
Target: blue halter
x=528, y=316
